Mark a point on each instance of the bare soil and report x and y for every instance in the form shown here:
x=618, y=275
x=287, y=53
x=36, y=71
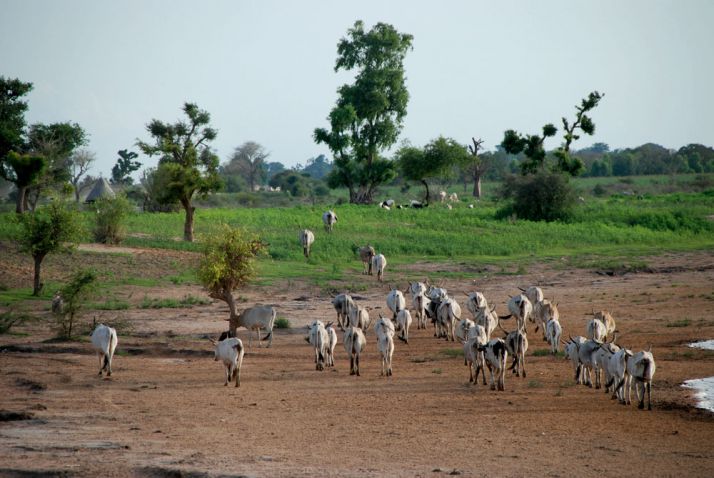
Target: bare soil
x=165, y=411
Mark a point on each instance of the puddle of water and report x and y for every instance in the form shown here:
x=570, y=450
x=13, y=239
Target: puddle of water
x=705, y=391
x=704, y=344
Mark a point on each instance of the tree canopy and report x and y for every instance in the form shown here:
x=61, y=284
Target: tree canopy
x=369, y=113
x=248, y=161
x=436, y=160
x=185, y=159
x=126, y=164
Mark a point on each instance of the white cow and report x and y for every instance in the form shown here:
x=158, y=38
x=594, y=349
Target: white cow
x=104, y=341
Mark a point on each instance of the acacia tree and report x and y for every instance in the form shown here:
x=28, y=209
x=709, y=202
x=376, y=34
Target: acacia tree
x=53, y=228
x=125, y=166
x=544, y=192
x=248, y=160
x=227, y=265
x=80, y=162
x=186, y=160
x=436, y=160
x=369, y=113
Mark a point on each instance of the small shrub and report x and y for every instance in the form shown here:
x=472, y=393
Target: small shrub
x=599, y=190
x=453, y=352
x=282, y=323
x=534, y=384
x=111, y=213
x=541, y=353
x=112, y=304
x=73, y=295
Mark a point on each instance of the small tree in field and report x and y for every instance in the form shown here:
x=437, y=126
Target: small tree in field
x=54, y=228
x=74, y=295
x=227, y=265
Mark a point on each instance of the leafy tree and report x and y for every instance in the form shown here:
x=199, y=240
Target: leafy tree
x=531, y=146
x=318, y=167
x=436, y=160
x=700, y=158
x=79, y=164
x=55, y=142
x=248, y=160
x=369, y=113
x=12, y=117
x=154, y=182
x=17, y=168
x=24, y=170
x=274, y=168
x=227, y=265
x=542, y=196
x=566, y=161
x=121, y=172
x=186, y=160
x=298, y=184
x=53, y=228
x=74, y=294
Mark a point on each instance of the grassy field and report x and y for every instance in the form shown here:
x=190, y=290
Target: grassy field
x=608, y=232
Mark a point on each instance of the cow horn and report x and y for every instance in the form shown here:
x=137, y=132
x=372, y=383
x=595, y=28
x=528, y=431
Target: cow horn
x=649, y=349
x=521, y=289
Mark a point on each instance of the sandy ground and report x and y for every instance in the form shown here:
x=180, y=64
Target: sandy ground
x=165, y=411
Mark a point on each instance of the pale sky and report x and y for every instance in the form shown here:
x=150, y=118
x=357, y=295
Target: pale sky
x=264, y=69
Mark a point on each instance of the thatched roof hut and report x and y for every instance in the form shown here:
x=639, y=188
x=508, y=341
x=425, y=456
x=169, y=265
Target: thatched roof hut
x=101, y=189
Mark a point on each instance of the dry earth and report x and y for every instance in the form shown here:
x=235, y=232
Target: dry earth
x=165, y=411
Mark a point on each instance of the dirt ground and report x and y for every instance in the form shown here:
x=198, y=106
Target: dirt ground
x=165, y=411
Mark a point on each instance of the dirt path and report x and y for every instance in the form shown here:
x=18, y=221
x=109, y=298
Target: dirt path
x=165, y=411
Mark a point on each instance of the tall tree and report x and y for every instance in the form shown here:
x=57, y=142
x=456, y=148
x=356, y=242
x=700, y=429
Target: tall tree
x=476, y=166
x=55, y=142
x=121, y=172
x=17, y=168
x=436, y=160
x=248, y=160
x=369, y=113
x=79, y=165
x=185, y=159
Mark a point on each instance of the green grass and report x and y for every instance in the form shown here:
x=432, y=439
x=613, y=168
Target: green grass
x=679, y=323
x=452, y=352
x=111, y=304
x=611, y=234
x=282, y=323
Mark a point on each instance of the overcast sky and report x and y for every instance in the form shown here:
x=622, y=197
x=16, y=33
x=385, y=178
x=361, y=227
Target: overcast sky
x=264, y=69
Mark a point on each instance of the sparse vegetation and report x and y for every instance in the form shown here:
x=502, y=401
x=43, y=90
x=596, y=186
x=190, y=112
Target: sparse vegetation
x=282, y=323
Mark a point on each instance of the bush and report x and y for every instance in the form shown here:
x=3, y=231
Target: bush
x=599, y=190
x=73, y=296
x=111, y=213
x=282, y=323
x=543, y=196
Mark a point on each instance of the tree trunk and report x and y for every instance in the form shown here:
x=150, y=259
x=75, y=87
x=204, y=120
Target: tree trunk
x=76, y=193
x=426, y=185
x=20, y=204
x=188, y=223
x=37, y=285
x=477, y=185
x=233, y=320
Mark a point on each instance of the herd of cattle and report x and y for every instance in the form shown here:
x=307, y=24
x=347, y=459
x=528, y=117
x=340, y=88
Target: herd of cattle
x=593, y=356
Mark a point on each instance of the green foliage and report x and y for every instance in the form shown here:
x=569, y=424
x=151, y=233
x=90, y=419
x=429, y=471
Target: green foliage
x=121, y=172
x=12, y=118
x=187, y=166
x=543, y=196
x=111, y=215
x=369, y=113
x=436, y=160
x=249, y=162
x=530, y=145
x=23, y=170
x=74, y=294
x=9, y=318
x=282, y=323
x=53, y=228
x=228, y=261
x=185, y=302
x=679, y=323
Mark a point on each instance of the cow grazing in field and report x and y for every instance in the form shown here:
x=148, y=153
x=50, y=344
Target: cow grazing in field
x=329, y=219
x=306, y=238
